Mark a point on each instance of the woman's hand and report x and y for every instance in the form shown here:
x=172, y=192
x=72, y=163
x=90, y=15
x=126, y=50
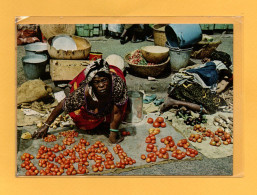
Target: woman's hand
x=40, y=133
x=114, y=137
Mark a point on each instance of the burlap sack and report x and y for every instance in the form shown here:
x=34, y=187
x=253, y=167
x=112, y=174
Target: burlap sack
x=32, y=90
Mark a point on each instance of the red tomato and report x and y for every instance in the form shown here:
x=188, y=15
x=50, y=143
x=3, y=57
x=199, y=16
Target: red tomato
x=153, y=159
x=179, y=156
x=124, y=133
x=159, y=119
x=163, y=124
x=151, y=146
x=150, y=120
x=153, y=141
x=128, y=133
x=148, y=140
x=169, y=138
x=174, y=155
x=163, y=150
x=156, y=124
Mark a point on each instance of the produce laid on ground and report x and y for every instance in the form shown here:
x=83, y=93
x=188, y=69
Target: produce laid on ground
x=162, y=153
x=71, y=154
x=137, y=58
x=58, y=122
x=189, y=119
x=158, y=122
x=216, y=137
x=74, y=160
x=224, y=122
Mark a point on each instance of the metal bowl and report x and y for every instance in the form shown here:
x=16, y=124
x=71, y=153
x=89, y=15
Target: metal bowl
x=36, y=48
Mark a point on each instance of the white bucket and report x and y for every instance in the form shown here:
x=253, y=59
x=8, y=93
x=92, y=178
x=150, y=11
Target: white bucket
x=179, y=58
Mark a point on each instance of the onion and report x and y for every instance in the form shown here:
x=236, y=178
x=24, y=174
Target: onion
x=39, y=125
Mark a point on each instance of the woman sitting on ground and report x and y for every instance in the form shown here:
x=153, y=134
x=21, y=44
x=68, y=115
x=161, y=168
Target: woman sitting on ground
x=198, y=88
x=97, y=95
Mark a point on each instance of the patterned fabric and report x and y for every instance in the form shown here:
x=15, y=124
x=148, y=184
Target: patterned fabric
x=194, y=93
x=77, y=98
x=191, y=86
x=76, y=103
x=90, y=72
x=221, y=56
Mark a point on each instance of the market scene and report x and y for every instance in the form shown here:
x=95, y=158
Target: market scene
x=124, y=99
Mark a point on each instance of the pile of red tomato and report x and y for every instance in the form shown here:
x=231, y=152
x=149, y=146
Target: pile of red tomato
x=124, y=158
x=159, y=122
x=28, y=165
x=154, y=153
x=64, y=162
x=125, y=133
x=50, y=138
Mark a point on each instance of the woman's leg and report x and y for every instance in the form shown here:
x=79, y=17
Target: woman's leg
x=169, y=102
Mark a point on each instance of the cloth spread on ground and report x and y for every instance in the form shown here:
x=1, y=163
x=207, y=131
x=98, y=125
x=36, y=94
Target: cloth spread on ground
x=26, y=120
x=134, y=145
x=150, y=108
x=205, y=148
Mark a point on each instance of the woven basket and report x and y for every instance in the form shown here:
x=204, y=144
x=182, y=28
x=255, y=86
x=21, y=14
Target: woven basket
x=204, y=49
x=159, y=34
x=147, y=70
x=49, y=30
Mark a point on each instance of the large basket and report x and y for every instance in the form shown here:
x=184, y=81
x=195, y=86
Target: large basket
x=159, y=34
x=204, y=49
x=82, y=52
x=147, y=70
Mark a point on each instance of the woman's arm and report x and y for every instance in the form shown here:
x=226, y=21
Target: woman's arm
x=115, y=122
x=55, y=113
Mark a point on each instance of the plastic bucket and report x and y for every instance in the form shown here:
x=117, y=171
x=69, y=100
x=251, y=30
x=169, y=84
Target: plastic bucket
x=183, y=35
x=179, y=58
x=36, y=48
x=34, y=66
x=134, y=113
x=95, y=56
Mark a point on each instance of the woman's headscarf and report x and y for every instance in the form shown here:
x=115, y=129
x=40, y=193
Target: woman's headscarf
x=92, y=70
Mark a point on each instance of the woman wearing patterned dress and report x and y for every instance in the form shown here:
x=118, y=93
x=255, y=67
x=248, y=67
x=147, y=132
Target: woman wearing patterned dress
x=97, y=95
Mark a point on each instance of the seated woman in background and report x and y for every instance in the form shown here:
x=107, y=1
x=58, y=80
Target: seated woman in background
x=198, y=87
x=135, y=33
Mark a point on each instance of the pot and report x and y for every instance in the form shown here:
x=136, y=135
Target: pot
x=34, y=66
